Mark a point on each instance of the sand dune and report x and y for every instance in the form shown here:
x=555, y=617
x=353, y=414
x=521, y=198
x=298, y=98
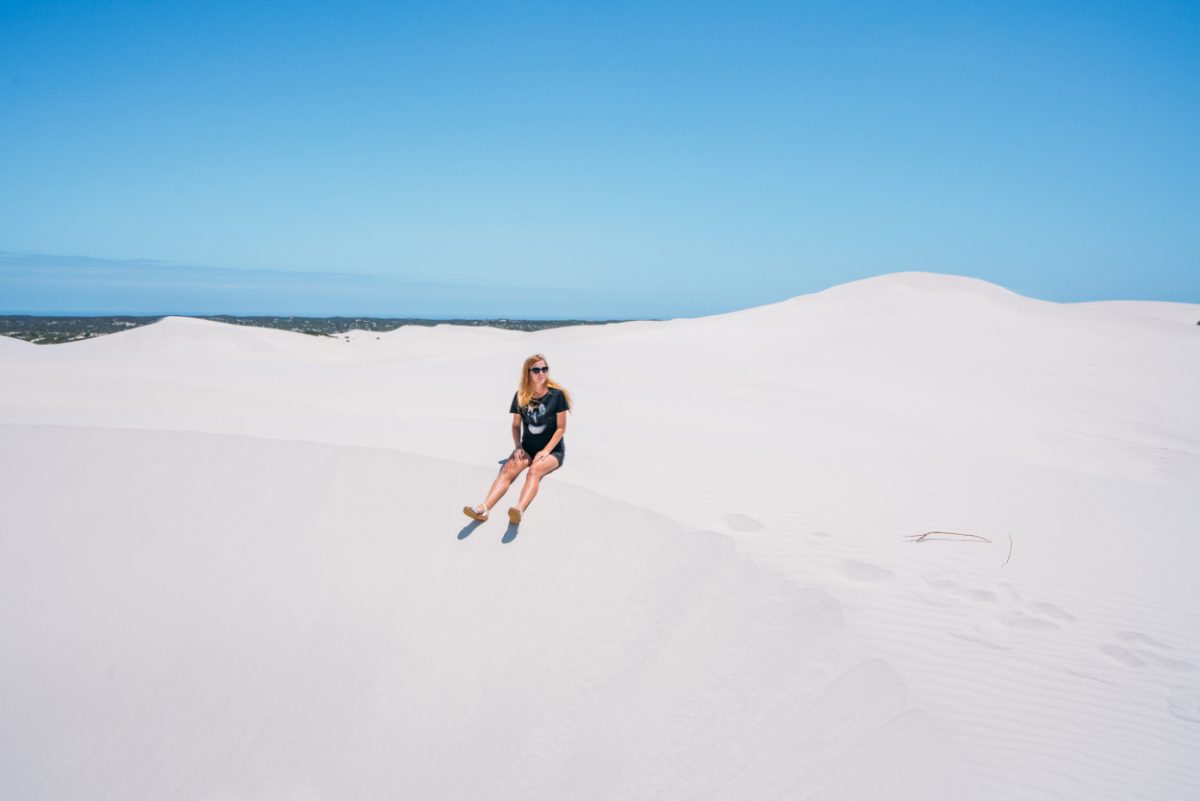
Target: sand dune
x=234, y=567
x=1182, y=313
x=208, y=633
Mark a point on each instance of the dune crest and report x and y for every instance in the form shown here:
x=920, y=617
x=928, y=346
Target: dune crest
x=762, y=620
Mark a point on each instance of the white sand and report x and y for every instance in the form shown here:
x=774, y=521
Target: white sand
x=1185, y=313
x=233, y=562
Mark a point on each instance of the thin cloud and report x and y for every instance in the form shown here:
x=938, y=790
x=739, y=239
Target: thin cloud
x=35, y=283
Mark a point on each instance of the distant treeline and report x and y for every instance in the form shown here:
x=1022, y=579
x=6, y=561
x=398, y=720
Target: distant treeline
x=52, y=330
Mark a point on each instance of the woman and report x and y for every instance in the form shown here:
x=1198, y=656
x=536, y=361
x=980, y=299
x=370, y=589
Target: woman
x=539, y=410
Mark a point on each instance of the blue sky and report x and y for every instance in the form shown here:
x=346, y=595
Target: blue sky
x=598, y=160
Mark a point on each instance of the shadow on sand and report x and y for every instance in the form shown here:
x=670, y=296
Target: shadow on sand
x=510, y=533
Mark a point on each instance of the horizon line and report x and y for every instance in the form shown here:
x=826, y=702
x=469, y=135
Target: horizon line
x=5, y=313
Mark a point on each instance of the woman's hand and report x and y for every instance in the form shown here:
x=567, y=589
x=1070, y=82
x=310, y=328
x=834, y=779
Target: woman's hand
x=541, y=455
x=519, y=454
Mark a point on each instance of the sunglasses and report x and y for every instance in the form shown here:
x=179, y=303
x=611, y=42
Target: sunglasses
x=539, y=369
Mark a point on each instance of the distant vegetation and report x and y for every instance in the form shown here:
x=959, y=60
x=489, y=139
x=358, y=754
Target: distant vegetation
x=53, y=330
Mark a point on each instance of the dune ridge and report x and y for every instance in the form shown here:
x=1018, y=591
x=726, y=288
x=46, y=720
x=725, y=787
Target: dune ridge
x=813, y=438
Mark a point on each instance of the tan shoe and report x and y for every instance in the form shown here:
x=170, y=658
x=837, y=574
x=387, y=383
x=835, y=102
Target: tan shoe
x=470, y=512
x=514, y=514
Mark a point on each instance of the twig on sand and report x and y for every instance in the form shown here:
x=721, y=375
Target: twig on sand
x=965, y=537
x=921, y=537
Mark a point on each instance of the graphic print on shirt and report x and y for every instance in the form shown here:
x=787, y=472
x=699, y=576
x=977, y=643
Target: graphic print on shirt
x=533, y=416
x=540, y=417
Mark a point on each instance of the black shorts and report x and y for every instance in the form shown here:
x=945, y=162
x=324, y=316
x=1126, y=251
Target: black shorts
x=559, y=452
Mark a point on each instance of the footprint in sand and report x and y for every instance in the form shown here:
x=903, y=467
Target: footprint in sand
x=1137, y=638
x=951, y=589
x=1178, y=665
x=980, y=640
x=1033, y=615
x=745, y=523
x=1009, y=614
x=1122, y=655
x=942, y=585
x=1144, y=649
x=864, y=572
x=1184, y=704
x=949, y=593
x=1052, y=612
x=818, y=538
x=976, y=595
x=1012, y=597
x=1020, y=620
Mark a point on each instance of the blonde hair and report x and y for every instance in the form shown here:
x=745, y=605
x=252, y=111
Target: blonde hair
x=525, y=388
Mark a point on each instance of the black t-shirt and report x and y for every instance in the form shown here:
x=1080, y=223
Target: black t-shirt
x=539, y=420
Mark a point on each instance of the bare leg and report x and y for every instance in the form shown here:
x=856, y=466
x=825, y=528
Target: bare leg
x=534, y=478
x=512, y=468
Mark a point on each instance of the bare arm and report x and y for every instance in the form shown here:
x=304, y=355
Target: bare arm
x=516, y=430
x=558, y=435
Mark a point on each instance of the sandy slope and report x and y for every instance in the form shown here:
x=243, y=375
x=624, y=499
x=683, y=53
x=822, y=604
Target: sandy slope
x=1183, y=313
x=812, y=436
x=211, y=616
